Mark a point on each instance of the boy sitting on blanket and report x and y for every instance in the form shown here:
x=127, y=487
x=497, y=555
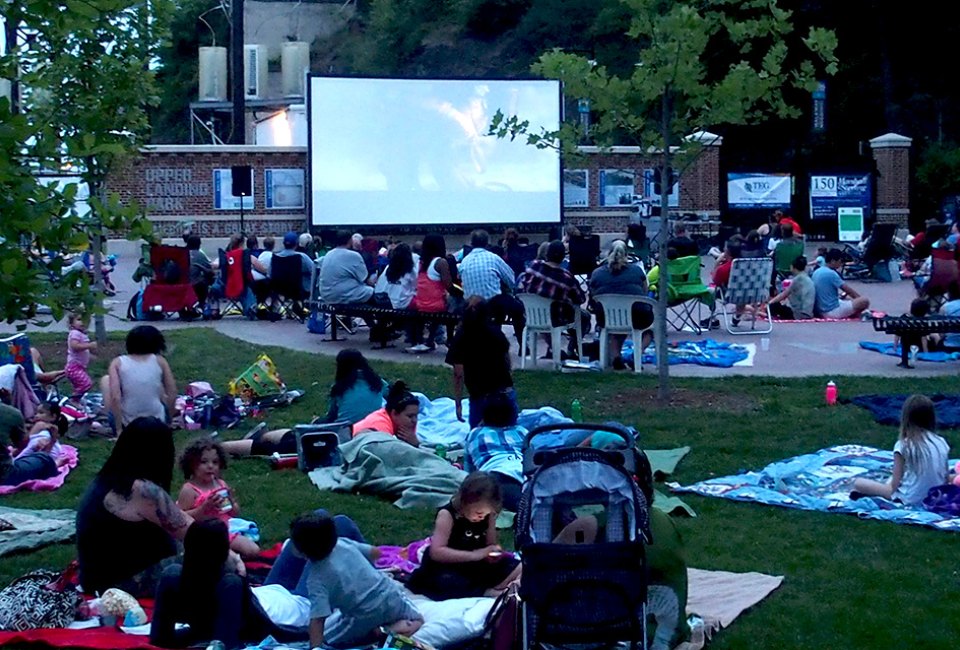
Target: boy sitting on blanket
x=350, y=600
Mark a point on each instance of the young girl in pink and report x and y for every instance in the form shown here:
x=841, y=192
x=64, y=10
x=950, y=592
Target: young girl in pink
x=79, y=347
x=205, y=495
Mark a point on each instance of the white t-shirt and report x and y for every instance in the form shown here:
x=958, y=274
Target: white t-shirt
x=264, y=258
x=929, y=470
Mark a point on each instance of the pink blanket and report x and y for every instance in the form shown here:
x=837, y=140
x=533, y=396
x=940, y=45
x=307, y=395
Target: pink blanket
x=47, y=484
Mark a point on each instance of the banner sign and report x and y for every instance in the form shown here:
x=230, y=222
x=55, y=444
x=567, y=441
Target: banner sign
x=830, y=193
x=754, y=190
x=849, y=224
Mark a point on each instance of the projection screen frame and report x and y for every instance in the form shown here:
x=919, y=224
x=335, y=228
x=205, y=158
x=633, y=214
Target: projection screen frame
x=452, y=226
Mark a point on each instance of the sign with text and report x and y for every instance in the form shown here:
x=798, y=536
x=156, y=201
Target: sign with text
x=165, y=188
x=223, y=198
x=758, y=190
x=849, y=224
x=829, y=193
x=284, y=188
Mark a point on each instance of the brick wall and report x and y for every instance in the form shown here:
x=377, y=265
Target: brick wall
x=176, y=183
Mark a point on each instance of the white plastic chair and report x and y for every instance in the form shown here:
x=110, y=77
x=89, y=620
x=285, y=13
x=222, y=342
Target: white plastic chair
x=618, y=319
x=537, y=310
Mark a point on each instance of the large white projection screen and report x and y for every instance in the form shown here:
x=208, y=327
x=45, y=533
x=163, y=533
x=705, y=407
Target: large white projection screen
x=415, y=152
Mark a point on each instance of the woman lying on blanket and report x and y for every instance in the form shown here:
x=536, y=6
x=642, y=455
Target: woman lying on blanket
x=127, y=523
x=211, y=594
x=44, y=434
x=398, y=418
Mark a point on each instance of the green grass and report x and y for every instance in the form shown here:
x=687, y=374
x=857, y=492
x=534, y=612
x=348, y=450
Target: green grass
x=848, y=583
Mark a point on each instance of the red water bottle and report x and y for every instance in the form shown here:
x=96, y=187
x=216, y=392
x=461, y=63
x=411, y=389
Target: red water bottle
x=831, y=393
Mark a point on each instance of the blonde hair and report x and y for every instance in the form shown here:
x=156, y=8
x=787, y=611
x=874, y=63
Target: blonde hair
x=918, y=420
x=617, y=257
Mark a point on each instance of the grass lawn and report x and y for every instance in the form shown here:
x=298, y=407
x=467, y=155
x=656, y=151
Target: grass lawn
x=849, y=583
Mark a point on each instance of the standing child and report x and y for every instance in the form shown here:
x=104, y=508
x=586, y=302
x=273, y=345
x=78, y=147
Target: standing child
x=350, y=600
x=79, y=347
x=464, y=559
x=919, y=457
x=205, y=495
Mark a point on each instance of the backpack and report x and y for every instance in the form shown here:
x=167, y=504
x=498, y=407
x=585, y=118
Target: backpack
x=501, y=630
x=38, y=599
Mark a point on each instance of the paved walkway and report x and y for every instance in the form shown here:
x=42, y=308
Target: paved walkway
x=795, y=349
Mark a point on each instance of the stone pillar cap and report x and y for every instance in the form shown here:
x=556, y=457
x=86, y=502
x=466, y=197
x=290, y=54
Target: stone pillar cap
x=889, y=140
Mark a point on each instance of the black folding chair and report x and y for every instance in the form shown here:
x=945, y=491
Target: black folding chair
x=286, y=286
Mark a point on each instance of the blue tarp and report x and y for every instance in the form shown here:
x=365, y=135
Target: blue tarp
x=702, y=353
x=892, y=350
x=821, y=481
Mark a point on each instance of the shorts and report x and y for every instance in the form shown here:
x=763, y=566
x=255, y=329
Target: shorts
x=845, y=310
x=261, y=447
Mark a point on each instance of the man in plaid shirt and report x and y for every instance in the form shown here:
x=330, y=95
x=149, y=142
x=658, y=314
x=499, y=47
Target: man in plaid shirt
x=549, y=279
x=487, y=276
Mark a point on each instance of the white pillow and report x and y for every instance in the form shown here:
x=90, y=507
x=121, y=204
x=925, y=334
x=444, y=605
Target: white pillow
x=447, y=622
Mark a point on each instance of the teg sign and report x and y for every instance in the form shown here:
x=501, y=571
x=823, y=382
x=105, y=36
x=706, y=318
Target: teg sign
x=166, y=187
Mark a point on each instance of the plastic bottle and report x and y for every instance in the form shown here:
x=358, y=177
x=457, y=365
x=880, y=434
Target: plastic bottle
x=576, y=411
x=831, y=393
x=441, y=451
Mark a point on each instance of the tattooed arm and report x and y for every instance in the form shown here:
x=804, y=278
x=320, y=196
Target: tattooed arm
x=159, y=507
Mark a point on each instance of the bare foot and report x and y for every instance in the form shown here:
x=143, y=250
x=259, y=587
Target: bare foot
x=405, y=627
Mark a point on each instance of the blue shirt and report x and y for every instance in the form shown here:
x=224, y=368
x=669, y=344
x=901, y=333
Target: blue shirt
x=495, y=449
x=826, y=283
x=357, y=402
x=482, y=273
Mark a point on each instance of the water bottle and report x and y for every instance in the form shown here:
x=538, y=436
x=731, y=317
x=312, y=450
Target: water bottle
x=576, y=411
x=831, y=393
x=441, y=451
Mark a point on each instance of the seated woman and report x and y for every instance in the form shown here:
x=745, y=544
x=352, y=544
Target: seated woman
x=397, y=418
x=496, y=447
x=399, y=279
x=211, y=595
x=140, y=382
x=618, y=276
x=44, y=377
x=127, y=523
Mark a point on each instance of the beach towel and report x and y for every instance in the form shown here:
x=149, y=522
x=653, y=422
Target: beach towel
x=821, y=481
x=379, y=464
x=705, y=352
x=886, y=408
x=47, y=484
x=892, y=350
x=35, y=528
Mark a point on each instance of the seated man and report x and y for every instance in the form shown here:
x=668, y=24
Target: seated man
x=261, y=280
x=344, y=279
x=799, y=294
x=485, y=275
x=201, y=271
x=682, y=243
x=549, y=279
x=827, y=283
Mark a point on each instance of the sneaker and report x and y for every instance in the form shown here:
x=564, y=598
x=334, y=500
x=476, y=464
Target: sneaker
x=419, y=348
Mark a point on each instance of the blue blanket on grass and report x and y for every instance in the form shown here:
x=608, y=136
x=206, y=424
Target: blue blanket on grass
x=706, y=352
x=821, y=481
x=886, y=408
x=892, y=350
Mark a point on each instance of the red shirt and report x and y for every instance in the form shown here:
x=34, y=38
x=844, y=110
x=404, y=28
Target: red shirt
x=721, y=274
x=784, y=221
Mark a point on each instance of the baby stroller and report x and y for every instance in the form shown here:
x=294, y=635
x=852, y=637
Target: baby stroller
x=583, y=592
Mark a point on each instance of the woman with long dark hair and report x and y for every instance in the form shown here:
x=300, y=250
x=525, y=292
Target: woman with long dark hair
x=210, y=593
x=398, y=417
x=127, y=523
x=480, y=356
x=399, y=280
x=433, y=281
x=357, y=389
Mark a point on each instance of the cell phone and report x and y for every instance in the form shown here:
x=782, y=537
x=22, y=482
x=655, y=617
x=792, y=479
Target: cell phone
x=495, y=553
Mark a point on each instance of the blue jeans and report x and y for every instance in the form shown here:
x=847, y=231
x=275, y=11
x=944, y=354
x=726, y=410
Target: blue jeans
x=479, y=403
x=31, y=467
x=288, y=569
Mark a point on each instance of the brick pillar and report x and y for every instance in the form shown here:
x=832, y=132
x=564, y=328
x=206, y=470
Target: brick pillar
x=891, y=152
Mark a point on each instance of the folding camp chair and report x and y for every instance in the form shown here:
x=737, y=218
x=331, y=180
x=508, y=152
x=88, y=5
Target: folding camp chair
x=944, y=276
x=880, y=248
x=538, y=321
x=169, y=291
x=749, y=286
x=783, y=256
x=286, y=286
x=235, y=280
x=618, y=319
x=686, y=293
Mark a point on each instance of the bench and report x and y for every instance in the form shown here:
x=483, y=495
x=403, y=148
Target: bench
x=386, y=314
x=911, y=330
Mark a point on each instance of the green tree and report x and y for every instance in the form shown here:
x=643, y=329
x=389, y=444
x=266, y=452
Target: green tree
x=84, y=73
x=699, y=64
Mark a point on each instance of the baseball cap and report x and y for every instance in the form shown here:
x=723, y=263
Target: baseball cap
x=290, y=239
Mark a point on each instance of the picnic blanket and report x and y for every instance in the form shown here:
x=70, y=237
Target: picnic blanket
x=892, y=350
x=886, y=408
x=705, y=352
x=47, y=484
x=821, y=481
x=379, y=464
x=35, y=528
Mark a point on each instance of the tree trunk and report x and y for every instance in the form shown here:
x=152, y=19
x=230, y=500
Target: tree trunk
x=663, y=283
